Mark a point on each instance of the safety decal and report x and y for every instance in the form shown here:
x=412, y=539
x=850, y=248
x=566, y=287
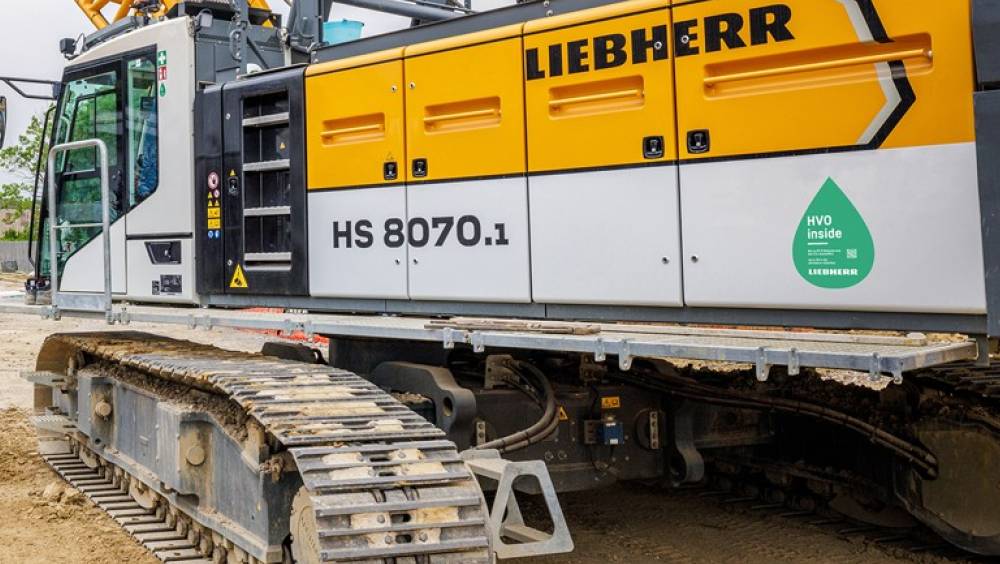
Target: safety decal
x=239, y=279
x=161, y=71
x=563, y=416
x=833, y=247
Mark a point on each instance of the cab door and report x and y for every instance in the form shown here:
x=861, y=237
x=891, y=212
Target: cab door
x=91, y=107
x=827, y=155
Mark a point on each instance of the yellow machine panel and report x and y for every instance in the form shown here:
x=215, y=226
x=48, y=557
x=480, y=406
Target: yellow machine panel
x=354, y=122
x=806, y=75
x=599, y=83
x=943, y=111
x=465, y=107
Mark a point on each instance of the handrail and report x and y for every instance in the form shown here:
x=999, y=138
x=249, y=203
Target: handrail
x=822, y=65
x=489, y=112
x=632, y=93
x=54, y=226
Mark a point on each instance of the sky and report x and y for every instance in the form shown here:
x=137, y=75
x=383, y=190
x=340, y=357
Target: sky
x=29, y=45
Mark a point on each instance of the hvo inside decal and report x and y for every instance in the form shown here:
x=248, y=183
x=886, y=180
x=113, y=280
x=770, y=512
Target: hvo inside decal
x=833, y=247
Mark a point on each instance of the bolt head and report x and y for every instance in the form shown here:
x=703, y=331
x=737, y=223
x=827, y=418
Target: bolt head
x=195, y=456
x=103, y=409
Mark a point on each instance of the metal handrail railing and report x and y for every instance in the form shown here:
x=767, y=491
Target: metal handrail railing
x=105, y=224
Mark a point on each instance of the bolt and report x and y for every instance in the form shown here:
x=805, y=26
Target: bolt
x=665, y=260
x=694, y=258
x=381, y=519
x=394, y=88
x=413, y=85
x=423, y=537
x=195, y=456
x=103, y=409
x=388, y=539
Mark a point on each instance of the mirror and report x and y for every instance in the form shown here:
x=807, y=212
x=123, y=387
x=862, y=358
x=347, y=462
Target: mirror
x=3, y=119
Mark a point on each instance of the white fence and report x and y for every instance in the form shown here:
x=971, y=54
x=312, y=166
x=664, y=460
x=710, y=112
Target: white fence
x=15, y=254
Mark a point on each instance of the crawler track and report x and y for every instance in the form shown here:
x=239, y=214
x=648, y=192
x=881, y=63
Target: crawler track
x=379, y=481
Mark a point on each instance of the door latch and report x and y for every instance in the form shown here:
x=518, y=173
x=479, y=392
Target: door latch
x=699, y=141
x=652, y=147
x=390, y=170
x=419, y=168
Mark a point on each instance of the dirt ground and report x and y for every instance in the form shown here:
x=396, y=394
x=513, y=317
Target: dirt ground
x=626, y=523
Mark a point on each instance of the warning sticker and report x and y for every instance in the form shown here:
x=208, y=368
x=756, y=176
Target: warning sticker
x=833, y=247
x=239, y=279
x=611, y=402
x=563, y=416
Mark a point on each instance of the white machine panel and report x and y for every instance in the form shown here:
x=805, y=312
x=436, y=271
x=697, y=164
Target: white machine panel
x=348, y=252
x=164, y=281
x=84, y=270
x=920, y=205
x=609, y=237
x=468, y=241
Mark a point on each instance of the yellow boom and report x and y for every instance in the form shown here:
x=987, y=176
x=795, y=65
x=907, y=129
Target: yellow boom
x=92, y=9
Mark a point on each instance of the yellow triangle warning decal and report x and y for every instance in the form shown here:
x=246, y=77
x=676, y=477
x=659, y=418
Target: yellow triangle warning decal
x=232, y=173
x=239, y=279
x=281, y=147
x=563, y=416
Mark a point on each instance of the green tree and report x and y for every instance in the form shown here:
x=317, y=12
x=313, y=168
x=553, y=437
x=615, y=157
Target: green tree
x=19, y=161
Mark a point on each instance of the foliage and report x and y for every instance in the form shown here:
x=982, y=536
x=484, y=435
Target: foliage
x=20, y=160
x=14, y=235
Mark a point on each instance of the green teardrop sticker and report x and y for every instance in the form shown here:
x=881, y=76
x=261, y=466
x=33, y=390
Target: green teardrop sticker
x=833, y=247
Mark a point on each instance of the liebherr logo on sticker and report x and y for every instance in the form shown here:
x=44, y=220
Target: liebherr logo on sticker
x=833, y=247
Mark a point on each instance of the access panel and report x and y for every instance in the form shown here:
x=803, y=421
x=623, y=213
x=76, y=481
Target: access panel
x=827, y=155
x=260, y=193
x=602, y=157
x=357, y=194
x=467, y=206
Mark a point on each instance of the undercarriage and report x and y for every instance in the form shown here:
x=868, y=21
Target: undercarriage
x=232, y=457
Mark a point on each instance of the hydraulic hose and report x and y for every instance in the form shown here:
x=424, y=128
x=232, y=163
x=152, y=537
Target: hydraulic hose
x=690, y=389
x=541, y=428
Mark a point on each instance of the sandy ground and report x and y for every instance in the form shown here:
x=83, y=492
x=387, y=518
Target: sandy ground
x=626, y=523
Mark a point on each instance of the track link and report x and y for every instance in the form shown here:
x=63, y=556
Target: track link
x=169, y=542
x=379, y=481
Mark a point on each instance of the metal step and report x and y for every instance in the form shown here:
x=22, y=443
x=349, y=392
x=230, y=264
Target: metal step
x=53, y=423
x=266, y=166
x=266, y=121
x=81, y=302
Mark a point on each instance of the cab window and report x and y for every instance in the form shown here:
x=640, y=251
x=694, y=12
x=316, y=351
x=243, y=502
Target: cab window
x=143, y=139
